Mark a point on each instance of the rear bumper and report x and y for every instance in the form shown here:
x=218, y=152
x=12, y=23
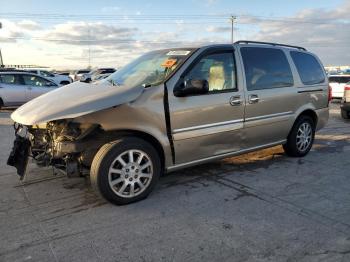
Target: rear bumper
x=322, y=116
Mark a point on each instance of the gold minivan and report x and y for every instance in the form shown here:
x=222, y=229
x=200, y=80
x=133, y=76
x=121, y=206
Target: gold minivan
x=175, y=108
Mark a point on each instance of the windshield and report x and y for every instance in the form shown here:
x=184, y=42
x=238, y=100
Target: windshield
x=150, y=69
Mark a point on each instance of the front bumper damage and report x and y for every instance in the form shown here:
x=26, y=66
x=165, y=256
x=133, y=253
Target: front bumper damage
x=64, y=145
x=19, y=155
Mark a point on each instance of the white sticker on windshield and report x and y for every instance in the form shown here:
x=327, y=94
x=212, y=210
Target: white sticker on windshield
x=178, y=52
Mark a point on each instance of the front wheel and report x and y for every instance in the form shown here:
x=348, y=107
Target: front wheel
x=126, y=170
x=301, y=137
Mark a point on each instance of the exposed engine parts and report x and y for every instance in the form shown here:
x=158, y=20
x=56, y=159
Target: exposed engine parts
x=62, y=144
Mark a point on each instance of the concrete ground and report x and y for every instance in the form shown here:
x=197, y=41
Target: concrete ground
x=262, y=206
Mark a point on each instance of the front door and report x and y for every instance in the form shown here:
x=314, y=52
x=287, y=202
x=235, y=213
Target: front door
x=211, y=124
x=37, y=85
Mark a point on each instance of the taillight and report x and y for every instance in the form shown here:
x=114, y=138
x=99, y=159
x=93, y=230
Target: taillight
x=329, y=93
x=347, y=87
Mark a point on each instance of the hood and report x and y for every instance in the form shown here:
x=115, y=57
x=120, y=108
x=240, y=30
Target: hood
x=72, y=101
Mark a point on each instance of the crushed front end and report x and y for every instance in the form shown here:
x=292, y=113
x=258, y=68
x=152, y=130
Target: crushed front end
x=62, y=144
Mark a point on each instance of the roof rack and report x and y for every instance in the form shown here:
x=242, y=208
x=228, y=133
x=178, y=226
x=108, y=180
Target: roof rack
x=268, y=43
x=13, y=70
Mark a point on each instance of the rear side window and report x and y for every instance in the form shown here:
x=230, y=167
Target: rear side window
x=266, y=68
x=309, y=69
x=339, y=79
x=8, y=79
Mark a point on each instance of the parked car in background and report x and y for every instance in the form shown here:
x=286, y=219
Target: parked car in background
x=175, y=108
x=57, y=78
x=101, y=77
x=337, y=82
x=91, y=76
x=18, y=87
x=345, y=103
x=76, y=75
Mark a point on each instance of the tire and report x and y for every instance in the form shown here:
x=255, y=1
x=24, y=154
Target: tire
x=64, y=83
x=345, y=114
x=297, y=144
x=114, y=180
x=1, y=103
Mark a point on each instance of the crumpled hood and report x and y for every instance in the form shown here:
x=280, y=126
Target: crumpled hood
x=73, y=100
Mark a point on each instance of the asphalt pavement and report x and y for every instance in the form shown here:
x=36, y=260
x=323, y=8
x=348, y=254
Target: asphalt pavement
x=262, y=206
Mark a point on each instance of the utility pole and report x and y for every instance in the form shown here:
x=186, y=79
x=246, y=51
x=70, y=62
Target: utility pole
x=1, y=60
x=233, y=20
x=89, y=49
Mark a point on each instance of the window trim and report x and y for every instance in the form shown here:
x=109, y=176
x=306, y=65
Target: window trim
x=273, y=48
x=210, y=51
x=296, y=67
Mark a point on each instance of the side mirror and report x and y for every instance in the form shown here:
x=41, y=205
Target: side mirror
x=192, y=87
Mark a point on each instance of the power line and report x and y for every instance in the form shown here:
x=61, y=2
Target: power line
x=188, y=17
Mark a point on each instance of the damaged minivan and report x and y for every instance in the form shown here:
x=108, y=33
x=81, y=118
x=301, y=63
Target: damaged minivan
x=172, y=109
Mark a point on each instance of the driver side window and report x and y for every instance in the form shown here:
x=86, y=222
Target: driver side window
x=218, y=69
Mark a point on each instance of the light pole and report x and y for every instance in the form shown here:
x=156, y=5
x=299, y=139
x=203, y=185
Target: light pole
x=232, y=19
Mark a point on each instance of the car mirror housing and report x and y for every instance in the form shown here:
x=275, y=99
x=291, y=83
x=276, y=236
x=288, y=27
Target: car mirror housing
x=192, y=87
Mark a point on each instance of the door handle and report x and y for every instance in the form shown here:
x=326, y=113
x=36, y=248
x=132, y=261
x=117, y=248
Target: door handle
x=235, y=100
x=252, y=99
x=29, y=88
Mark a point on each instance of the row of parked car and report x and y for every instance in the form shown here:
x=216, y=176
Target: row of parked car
x=19, y=86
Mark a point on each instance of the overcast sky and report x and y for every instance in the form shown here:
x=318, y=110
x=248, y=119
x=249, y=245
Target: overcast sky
x=61, y=34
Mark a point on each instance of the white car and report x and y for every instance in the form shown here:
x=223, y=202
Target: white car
x=76, y=75
x=91, y=76
x=58, y=79
x=337, y=82
x=18, y=87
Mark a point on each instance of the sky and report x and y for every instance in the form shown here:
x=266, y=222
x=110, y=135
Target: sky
x=76, y=34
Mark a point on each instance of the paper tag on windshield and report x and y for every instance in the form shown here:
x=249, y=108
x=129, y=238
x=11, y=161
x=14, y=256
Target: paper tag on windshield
x=178, y=52
x=169, y=63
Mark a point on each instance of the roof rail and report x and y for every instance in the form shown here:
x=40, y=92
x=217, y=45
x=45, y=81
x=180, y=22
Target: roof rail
x=268, y=43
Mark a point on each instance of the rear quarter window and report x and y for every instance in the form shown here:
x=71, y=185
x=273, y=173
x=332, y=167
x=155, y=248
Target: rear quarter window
x=309, y=69
x=344, y=79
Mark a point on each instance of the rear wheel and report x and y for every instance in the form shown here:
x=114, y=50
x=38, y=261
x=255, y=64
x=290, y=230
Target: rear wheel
x=345, y=114
x=126, y=170
x=301, y=137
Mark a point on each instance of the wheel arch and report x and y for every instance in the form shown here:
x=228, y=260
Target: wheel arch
x=64, y=82
x=143, y=135
x=311, y=113
x=304, y=112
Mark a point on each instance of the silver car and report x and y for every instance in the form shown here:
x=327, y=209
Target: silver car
x=172, y=109
x=17, y=88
